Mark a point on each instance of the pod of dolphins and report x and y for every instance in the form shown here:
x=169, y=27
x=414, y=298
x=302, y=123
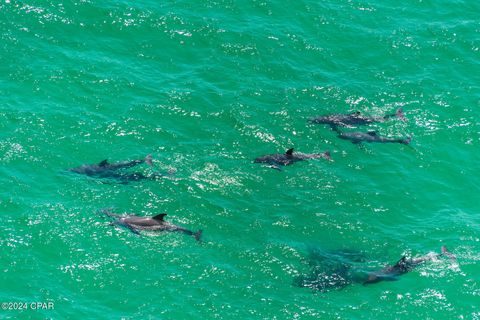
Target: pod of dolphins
x=329, y=270
x=276, y=161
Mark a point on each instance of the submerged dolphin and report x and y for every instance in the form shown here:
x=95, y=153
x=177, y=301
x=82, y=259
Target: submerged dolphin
x=354, y=119
x=156, y=223
x=125, y=178
x=104, y=169
x=371, y=136
x=404, y=265
x=288, y=158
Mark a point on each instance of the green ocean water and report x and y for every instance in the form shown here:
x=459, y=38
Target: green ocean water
x=206, y=87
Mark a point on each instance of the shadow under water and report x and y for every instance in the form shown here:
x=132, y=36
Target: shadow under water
x=331, y=270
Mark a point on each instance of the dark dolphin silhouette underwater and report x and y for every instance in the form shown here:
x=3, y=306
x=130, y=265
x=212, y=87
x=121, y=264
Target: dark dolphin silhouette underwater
x=336, y=270
x=370, y=137
x=116, y=171
x=155, y=223
x=354, y=119
x=289, y=157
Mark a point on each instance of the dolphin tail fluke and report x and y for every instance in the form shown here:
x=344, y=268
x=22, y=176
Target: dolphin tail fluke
x=148, y=160
x=197, y=235
x=400, y=115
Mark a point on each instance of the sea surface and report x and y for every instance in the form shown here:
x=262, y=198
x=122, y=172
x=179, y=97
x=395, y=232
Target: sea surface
x=205, y=87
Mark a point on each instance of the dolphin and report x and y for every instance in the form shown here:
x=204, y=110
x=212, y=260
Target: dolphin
x=404, y=265
x=288, y=158
x=354, y=119
x=336, y=270
x=156, y=223
x=104, y=167
x=371, y=136
x=125, y=178
x=107, y=170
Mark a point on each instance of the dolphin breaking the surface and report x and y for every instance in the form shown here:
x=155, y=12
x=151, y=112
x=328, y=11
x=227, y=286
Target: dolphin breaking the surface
x=104, y=166
x=404, y=265
x=156, y=223
x=354, y=119
x=104, y=169
x=289, y=157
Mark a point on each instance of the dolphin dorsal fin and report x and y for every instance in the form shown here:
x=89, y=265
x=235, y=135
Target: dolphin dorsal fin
x=289, y=152
x=402, y=261
x=159, y=217
x=372, y=133
x=103, y=163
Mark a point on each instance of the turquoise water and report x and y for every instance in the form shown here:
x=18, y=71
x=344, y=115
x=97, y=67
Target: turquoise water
x=206, y=87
